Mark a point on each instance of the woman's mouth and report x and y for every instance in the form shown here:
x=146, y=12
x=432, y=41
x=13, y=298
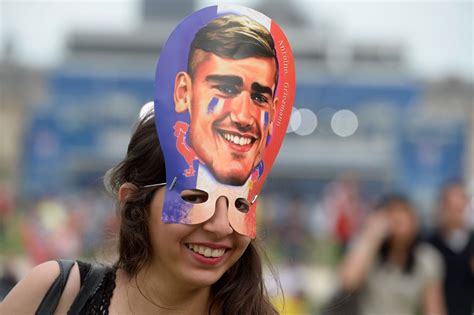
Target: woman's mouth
x=206, y=251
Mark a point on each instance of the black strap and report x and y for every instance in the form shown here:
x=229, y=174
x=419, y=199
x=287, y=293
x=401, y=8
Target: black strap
x=88, y=289
x=51, y=299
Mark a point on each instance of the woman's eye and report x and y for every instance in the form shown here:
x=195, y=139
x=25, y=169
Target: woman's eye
x=194, y=196
x=243, y=205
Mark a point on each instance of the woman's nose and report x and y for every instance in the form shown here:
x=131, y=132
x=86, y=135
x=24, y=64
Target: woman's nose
x=219, y=223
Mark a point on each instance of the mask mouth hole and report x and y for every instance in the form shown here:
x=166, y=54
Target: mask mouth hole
x=194, y=196
x=242, y=204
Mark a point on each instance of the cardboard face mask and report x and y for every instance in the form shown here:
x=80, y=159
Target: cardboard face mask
x=224, y=91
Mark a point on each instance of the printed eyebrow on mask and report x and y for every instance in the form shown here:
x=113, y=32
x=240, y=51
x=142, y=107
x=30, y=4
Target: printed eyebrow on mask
x=227, y=79
x=261, y=89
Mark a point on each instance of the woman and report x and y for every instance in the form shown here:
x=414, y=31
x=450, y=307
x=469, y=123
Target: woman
x=393, y=272
x=159, y=269
x=188, y=187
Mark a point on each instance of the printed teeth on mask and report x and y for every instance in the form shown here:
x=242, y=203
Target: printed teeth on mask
x=206, y=251
x=236, y=139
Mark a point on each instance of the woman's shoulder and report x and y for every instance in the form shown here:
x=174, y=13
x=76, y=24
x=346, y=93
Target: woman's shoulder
x=427, y=252
x=430, y=261
x=27, y=295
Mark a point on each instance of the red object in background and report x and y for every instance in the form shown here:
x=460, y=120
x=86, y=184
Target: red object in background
x=343, y=228
x=6, y=204
x=38, y=252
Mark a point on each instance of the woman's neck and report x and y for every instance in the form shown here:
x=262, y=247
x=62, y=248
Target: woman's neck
x=152, y=292
x=398, y=256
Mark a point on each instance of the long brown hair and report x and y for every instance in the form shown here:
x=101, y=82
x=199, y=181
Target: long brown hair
x=406, y=205
x=240, y=290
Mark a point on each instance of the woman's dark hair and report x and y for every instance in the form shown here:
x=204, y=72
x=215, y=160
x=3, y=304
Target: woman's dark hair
x=384, y=251
x=240, y=290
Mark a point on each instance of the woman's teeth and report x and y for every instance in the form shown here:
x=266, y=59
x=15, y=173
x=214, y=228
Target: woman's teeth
x=206, y=251
x=236, y=139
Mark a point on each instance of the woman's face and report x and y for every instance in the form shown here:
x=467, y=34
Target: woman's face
x=194, y=255
x=403, y=223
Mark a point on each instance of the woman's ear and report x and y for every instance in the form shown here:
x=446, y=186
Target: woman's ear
x=182, y=92
x=125, y=191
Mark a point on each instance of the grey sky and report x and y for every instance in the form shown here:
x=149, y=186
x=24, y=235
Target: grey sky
x=438, y=36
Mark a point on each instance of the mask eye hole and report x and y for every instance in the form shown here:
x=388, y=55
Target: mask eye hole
x=194, y=196
x=242, y=204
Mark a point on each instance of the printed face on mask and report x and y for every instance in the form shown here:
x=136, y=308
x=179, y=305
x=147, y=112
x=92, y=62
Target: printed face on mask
x=224, y=91
x=231, y=106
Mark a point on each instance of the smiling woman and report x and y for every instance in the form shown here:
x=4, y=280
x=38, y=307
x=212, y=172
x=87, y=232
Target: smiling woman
x=187, y=241
x=205, y=268
x=209, y=259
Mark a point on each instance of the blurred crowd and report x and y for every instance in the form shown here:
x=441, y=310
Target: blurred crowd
x=339, y=252
x=346, y=253
x=82, y=225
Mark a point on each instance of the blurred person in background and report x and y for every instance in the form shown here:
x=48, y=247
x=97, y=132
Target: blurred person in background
x=293, y=233
x=344, y=205
x=391, y=272
x=455, y=241
x=5, y=210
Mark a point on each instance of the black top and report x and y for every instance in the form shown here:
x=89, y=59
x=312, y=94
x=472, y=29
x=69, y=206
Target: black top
x=459, y=277
x=99, y=302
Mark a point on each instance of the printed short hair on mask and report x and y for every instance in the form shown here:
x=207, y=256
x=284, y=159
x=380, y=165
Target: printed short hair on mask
x=234, y=37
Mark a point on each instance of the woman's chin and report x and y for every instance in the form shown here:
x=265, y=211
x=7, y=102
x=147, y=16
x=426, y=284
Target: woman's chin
x=203, y=280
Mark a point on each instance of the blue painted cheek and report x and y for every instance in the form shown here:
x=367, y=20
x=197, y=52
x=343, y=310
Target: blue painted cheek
x=212, y=104
x=269, y=138
x=265, y=119
x=265, y=123
x=260, y=168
